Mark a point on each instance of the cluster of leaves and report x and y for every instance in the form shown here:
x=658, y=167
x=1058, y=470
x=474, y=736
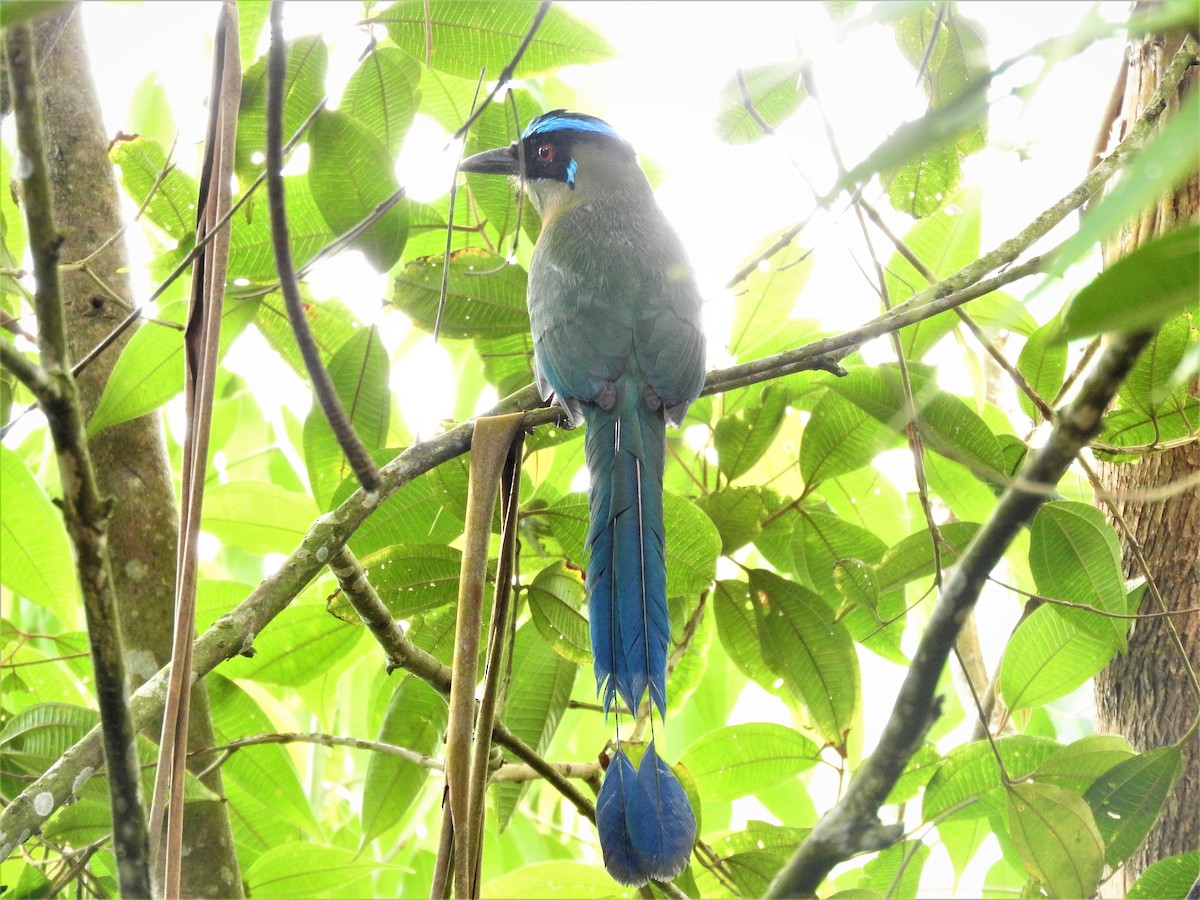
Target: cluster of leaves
x=828, y=564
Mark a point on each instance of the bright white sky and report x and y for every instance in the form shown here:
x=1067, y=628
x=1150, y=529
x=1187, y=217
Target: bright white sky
x=661, y=95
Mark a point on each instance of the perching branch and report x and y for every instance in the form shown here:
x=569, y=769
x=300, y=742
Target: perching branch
x=85, y=511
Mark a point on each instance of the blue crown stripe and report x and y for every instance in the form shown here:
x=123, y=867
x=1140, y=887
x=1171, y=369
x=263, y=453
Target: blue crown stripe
x=556, y=121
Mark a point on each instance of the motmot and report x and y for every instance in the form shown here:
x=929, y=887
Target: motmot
x=618, y=343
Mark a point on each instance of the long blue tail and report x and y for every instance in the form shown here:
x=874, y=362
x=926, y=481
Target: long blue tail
x=646, y=823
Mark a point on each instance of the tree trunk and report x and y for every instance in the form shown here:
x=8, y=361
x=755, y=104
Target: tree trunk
x=130, y=459
x=1148, y=695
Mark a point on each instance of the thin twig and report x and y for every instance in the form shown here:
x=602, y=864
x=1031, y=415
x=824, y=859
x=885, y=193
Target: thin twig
x=356, y=454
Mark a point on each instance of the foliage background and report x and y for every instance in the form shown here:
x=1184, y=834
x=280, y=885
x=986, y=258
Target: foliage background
x=795, y=498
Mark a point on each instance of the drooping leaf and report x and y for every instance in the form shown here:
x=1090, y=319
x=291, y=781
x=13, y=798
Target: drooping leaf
x=351, y=175
x=1043, y=362
x=970, y=772
x=1055, y=834
x=485, y=295
x=839, y=438
x=809, y=651
x=913, y=557
x=1164, y=274
x=744, y=759
x=149, y=371
x=359, y=371
x=146, y=172
x=556, y=597
x=742, y=439
x=460, y=38
x=383, y=94
x=773, y=90
x=34, y=543
x=1074, y=554
x=540, y=686
x=1170, y=877
x=415, y=719
x=1128, y=798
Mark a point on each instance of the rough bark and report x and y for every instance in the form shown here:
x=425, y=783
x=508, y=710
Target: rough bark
x=1147, y=695
x=130, y=459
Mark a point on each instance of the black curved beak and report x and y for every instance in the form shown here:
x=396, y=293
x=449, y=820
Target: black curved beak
x=502, y=161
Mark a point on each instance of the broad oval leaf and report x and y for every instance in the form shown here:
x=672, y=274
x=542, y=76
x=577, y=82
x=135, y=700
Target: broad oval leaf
x=1170, y=877
x=1055, y=834
x=742, y=439
x=1049, y=657
x=1043, y=362
x=302, y=643
x=1128, y=798
x=555, y=598
x=33, y=542
x=1074, y=554
x=774, y=91
x=913, y=557
x=739, y=760
x=970, y=772
x=359, y=371
x=383, y=94
x=149, y=371
x=460, y=38
x=309, y=870
x=351, y=176
x=416, y=718
x=1164, y=274
x=839, y=438
x=485, y=295
x=809, y=652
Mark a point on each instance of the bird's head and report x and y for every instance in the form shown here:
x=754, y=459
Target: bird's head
x=561, y=159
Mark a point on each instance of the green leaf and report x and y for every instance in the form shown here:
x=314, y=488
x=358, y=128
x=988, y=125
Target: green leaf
x=149, y=371
x=1055, y=834
x=12, y=13
x=1170, y=877
x=743, y=438
x=462, y=38
x=766, y=299
x=172, y=205
x=969, y=772
x=839, y=438
x=857, y=584
x=1128, y=798
x=351, y=175
x=913, y=558
x=261, y=781
x=38, y=735
x=555, y=598
x=737, y=626
x=359, y=372
x=775, y=90
x=819, y=540
x=739, y=760
x=1074, y=554
x=921, y=186
x=413, y=514
x=1049, y=657
x=1043, y=362
x=1157, y=170
x=1164, y=275
x=307, y=870
x=1148, y=388
x=1130, y=428
x=737, y=512
x=944, y=242
x=561, y=878
x=485, y=295
x=331, y=322
x=303, y=89
x=383, y=94
x=251, y=249
x=539, y=687
x=954, y=59
x=302, y=643
x=33, y=542
x=257, y=516
x=809, y=651
x=692, y=546
x=896, y=872
x=409, y=578
x=415, y=719
x=1077, y=765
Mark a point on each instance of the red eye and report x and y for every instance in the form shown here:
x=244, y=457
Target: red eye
x=545, y=152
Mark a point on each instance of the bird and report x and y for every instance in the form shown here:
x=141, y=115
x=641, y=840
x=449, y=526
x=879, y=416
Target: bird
x=618, y=344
